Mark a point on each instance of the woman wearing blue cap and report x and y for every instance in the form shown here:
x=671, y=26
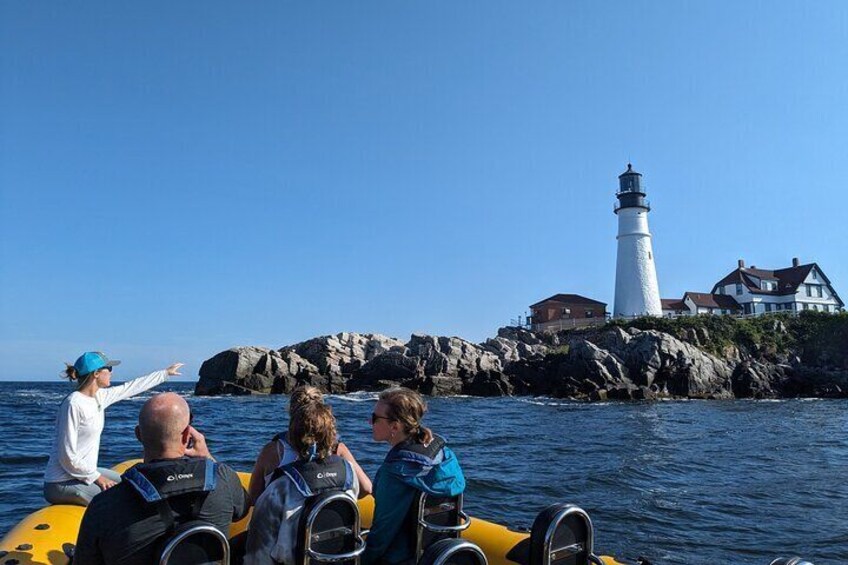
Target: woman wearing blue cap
x=72, y=475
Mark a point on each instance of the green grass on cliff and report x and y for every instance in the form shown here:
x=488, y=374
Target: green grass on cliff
x=818, y=338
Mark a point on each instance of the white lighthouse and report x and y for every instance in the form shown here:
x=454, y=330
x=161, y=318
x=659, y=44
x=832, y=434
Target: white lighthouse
x=636, y=290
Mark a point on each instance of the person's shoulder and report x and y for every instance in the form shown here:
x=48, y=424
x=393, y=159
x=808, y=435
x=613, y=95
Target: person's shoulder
x=269, y=452
x=107, y=501
x=223, y=469
x=227, y=476
x=75, y=399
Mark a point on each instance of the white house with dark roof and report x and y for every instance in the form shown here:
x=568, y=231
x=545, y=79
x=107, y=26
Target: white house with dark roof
x=795, y=288
x=753, y=291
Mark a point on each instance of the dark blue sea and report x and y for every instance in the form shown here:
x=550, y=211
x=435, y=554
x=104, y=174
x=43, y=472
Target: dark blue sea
x=698, y=482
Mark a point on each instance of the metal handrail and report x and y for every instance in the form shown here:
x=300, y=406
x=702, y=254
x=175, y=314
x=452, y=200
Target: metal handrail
x=462, y=545
x=590, y=535
x=310, y=553
x=200, y=528
x=464, y=518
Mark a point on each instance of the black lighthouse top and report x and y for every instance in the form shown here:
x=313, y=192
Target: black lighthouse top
x=630, y=193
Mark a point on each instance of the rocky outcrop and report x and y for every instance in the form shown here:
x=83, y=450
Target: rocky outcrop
x=594, y=364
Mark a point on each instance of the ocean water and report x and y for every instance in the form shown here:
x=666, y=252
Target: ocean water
x=697, y=482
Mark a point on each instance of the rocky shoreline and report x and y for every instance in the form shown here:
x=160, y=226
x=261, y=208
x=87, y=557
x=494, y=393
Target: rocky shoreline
x=612, y=362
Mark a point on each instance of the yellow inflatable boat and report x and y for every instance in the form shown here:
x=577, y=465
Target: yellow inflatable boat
x=47, y=536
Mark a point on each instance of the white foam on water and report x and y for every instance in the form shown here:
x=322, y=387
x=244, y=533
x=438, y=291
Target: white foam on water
x=360, y=396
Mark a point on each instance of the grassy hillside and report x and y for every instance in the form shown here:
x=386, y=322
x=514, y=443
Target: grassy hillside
x=819, y=339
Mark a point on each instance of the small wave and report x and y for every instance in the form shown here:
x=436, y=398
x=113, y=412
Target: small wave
x=360, y=396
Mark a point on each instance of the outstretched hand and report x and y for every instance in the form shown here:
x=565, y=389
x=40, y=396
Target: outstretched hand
x=174, y=369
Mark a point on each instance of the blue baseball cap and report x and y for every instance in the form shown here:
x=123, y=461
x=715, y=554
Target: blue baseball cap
x=92, y=361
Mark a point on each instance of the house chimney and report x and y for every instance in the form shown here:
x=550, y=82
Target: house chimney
x=795, y=262
x=741, y=263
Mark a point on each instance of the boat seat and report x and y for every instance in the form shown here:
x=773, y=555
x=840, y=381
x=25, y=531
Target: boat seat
x=330, y=531
x=453, y=551
x=196, y=543
x=435, y=518
x=562, y=535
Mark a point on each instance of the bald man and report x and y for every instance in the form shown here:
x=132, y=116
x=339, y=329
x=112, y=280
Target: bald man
x=175, y=484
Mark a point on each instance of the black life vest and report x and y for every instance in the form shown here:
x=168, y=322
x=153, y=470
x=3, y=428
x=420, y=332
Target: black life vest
x=413, y=452
x=159, y=481
x=312, y=478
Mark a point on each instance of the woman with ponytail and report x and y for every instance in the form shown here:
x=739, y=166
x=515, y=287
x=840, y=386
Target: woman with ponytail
x=273, y=534
x=279, y=451
x=418, y=461
x=72, y=475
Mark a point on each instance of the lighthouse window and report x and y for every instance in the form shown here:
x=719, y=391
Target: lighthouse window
x=650, y=256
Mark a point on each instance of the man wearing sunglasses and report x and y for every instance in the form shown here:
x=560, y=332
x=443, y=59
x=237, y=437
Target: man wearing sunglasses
x=179, y=481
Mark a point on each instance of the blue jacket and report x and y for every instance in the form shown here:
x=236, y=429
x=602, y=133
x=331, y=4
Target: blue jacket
x=402, y=475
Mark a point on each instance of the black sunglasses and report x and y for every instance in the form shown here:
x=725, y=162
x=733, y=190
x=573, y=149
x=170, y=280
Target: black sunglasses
x=375, y=417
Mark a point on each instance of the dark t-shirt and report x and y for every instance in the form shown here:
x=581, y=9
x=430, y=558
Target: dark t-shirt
x=120, y=527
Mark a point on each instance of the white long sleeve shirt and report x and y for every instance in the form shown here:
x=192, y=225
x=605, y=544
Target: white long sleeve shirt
x=79, y=424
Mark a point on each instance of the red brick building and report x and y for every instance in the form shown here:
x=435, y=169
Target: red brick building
x=562, y=311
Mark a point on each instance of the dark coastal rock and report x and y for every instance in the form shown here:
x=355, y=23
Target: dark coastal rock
x=816, y=382
x=228, y=366
x=436, y=385
x=590, y=364
x=489, y=384
x=391, y=366
x=680, y=369
x=343, y=352
x=755, y=380
x=451, y=356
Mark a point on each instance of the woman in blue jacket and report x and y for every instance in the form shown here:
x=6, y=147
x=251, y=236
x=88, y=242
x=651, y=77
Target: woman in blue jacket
x=418, y=461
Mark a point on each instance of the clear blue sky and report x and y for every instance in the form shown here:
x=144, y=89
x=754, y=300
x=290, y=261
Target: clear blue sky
x=181, y=178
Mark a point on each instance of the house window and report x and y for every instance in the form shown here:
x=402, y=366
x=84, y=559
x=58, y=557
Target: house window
x=720, y=290
x=787, y=306
x=819, y=291
x=590, y=313
x=809, y=288
x=738, y=289
x=826, y=308
x=565, y=312
x=815, y=275
x=806, y=306
x=768, y=307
